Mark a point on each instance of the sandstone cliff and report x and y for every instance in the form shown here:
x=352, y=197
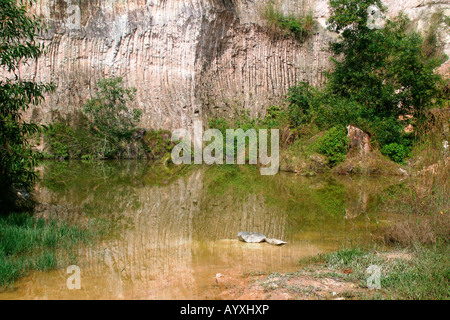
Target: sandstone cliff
x=187, y=59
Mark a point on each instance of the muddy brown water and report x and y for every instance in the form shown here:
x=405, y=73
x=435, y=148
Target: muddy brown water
x=168, y=235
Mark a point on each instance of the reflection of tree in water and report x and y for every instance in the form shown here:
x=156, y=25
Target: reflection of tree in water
x=232, y=197
x=96, y=188
x=362, y=193
x=333, y=207
x=305, y=200
x=100, y=187
x=179, y=222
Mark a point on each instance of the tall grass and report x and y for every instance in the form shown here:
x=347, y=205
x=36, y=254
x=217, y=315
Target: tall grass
x=431, y=46
x=278, y=23
x=422, y=205
x=27, y=243
x=418, y=274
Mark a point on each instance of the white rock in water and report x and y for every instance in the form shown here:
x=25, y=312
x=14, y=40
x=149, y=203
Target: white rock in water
x=251, y=237
x=275, y=242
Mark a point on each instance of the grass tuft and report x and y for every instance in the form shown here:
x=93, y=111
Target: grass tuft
x=299, y=26
x=421, y=273
x=27, y=243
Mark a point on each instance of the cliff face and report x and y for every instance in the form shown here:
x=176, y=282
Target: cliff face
x=187, y=59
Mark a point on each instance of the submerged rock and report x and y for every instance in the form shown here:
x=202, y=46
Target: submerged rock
x=256, y=237
x=275, y=242
x=251, y=237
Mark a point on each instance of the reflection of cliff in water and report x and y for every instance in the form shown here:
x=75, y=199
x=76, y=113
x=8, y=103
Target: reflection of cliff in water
x=172, y=237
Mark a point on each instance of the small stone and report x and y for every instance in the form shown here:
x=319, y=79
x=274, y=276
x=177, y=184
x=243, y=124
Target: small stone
x=275, y=242
x=251, y=237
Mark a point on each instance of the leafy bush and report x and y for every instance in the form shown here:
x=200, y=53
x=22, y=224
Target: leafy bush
x=72, y=142
x=384, y=69
x=104, y=129
x=157, y=144
x=18, y=45
x=220, y=124
x=334, y=145
x=333, y=110
x=382, y=74
x=110, y=117
x=397, y=152
x=59, y=137
x=275, y=118
x=301, y=98
x=390, y=130
x=308, y=104
x=243, y=120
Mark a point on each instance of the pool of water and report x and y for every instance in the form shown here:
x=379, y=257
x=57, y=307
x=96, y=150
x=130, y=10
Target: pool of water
x=169, y=234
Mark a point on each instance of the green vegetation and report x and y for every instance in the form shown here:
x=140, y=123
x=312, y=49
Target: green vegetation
x=69, y=142
x=301, y=99
x=431, y=47
x=383, y=81
x=27, y=244
x=334, y=144
x=104, y=128
x=421, y=204
x=110, y=118
x=419, y=228
x=157, y=144
x=299, y=26
x=397, y=152
x=18, y=45
x=275, y=118
x=420, y=273
x=446, y=20
x=381, y=76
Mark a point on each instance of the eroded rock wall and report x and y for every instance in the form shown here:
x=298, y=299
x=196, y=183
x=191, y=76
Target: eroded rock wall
x=187, y=59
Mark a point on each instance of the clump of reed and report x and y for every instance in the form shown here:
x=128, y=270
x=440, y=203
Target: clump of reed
x=28, y=243
x=422, y=205
x=300, y=26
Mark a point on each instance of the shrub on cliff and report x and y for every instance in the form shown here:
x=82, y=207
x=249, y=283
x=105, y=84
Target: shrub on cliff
x=298, y=26
x=105, y=127
x=109, y=116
